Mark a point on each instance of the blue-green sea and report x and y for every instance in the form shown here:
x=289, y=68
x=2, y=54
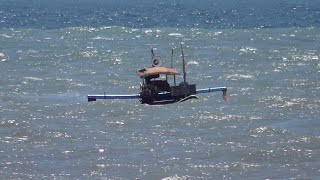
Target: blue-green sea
x=54, y=53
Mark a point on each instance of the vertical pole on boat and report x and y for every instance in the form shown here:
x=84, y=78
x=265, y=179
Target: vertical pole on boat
x=152, y=53
x=183, y=65
x=171, y=57
x=174, y=76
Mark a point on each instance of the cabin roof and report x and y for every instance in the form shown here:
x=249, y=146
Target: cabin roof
x=143, y=73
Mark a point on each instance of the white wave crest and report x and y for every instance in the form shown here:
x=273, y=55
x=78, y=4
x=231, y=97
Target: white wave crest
x=33, y=78
x=240, y=76
x=175, y=34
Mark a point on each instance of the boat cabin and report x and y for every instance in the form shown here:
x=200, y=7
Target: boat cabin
x=155, y=90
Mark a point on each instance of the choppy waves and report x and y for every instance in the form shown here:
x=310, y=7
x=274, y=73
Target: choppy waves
x=220, y=14
x=268, y=129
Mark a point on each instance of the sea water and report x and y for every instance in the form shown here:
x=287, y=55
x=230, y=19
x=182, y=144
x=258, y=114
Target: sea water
x=54, y=53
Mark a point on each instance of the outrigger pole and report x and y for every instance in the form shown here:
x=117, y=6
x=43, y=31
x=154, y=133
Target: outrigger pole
x=94, y=97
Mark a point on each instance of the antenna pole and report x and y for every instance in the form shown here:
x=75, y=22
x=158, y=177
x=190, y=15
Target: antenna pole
x=183, y=65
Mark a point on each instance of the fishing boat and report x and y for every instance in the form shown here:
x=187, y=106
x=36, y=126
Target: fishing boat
x=155, y=88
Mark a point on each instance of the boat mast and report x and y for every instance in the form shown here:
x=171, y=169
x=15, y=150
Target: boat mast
x=152, y=53
x=183, y=65
x=174, y=76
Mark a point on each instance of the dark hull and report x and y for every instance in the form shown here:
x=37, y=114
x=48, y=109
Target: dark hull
x=162, y=99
